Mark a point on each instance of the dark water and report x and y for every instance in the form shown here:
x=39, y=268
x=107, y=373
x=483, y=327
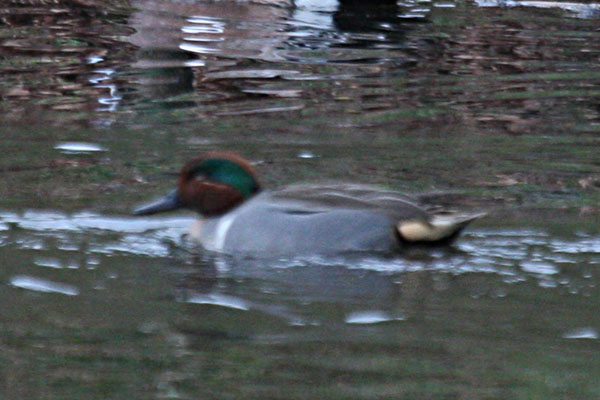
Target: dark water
x=490, y=105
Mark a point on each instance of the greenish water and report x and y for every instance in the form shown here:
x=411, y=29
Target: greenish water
x=492, y=108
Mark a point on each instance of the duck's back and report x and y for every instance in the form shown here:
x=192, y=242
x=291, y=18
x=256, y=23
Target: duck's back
x=308, y=219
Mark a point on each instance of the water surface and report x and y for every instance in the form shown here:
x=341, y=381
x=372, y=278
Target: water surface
x=484, y=105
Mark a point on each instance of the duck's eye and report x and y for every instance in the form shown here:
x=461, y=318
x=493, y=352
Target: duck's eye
x=200, y=178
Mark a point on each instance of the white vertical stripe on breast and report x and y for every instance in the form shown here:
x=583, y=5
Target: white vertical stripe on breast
x=221, y=231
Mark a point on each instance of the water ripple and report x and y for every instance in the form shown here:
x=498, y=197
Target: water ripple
x=42, y=285
x=371, y=317
x=512, y=254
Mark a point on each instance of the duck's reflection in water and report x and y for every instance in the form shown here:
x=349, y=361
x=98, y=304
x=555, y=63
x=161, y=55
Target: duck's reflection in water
x=359, y=289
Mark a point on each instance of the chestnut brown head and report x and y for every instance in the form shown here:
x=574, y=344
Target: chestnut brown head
x=211, y=184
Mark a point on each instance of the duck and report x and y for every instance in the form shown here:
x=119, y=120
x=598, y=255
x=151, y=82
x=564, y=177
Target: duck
x=238, y=216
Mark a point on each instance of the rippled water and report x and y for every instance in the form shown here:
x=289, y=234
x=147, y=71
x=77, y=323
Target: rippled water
x=83, y=283
x=488, y=105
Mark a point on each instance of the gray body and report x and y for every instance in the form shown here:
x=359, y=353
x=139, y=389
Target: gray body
x=308, y=219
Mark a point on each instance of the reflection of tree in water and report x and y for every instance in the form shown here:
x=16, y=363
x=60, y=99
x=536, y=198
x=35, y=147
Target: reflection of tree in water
x=89, y=55
x=382, y=17
x=161, y=82
x=175, y=53
x=54, y=53
x=366, y=16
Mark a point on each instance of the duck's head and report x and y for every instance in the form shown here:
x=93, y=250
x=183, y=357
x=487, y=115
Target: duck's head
x=211, y=184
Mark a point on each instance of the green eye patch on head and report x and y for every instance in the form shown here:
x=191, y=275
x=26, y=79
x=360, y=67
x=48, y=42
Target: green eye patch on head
x=228, y=172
